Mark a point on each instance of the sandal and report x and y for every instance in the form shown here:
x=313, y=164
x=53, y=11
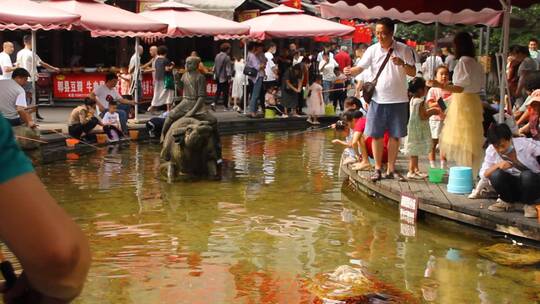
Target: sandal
x=361, y=167
x=394, y=175
x=376, y=176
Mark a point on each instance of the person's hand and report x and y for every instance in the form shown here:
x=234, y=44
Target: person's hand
x=433, y=84
x=22, y=292
x=347, y=71
x=32, y=125
x=335, y=141
x=398, y=61
x=505, y=165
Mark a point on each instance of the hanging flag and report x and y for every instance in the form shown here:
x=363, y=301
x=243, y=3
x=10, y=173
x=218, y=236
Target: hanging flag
x=293, y=3
x=349, y=23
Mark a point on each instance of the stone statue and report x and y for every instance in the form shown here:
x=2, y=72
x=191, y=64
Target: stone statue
x=189, y=150
x=190, y=137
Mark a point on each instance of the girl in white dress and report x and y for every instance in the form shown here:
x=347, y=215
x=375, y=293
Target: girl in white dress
x=239, y=81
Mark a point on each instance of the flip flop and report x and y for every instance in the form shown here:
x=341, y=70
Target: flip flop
x=363, y=167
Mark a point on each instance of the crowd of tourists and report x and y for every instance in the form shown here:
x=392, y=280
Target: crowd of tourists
x=444, y=108
x=390, y=98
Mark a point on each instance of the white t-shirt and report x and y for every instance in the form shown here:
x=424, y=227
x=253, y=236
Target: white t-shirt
x=5, y=61
x=270, y=64
x=392, y=83
x=430, y=66
x=469, y=74
x=319, y=56
x=104, y=95
x=12, y=96
x=328, y=71
x=111, y=118
x=24, y=60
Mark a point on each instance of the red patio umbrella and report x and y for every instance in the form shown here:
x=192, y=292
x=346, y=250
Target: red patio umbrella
x=184, y=22
x=30, y=15
x=107, y=20
x=287, y=22
x=455, y=6
x=487, y=16
x=430, y=6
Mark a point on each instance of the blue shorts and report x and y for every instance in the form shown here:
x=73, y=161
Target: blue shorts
x=387, y=117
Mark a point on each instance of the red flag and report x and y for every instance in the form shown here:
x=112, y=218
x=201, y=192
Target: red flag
x=293, y=3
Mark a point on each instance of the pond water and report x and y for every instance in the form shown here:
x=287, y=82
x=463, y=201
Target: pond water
x=280, y=215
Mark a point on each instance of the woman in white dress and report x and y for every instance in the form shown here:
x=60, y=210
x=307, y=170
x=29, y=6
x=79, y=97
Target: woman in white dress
x=462, y=135
x=239, y=81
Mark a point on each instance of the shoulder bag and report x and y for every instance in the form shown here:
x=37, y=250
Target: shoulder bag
x=368, y=88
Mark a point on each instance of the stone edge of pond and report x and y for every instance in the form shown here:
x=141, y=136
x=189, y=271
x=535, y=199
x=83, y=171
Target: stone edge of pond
x=56, y=150
x=435, y=200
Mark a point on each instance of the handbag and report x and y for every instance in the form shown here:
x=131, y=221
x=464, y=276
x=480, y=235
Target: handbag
x=368, y=88
x=251, y=72
x=169, y=81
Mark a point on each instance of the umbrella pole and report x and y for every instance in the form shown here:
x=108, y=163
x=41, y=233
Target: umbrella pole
x=506, y=4
x=136, y=79
x=245, y=84
x=33, y=73
x=487, y=39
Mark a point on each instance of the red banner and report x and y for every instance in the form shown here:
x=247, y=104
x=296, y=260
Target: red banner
x=80, y=85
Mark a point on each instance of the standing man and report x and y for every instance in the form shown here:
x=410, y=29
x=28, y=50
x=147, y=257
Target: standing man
x=389, y=107
x=343, y=58
x=222, y=75
x=257, y=63
x=136, y=74
x=533, y=49
x=25, y=61
x=5, y=60
x=13, y=104
x=527, y=66
x=149, y=66
x=431, y=64
x=271, y=69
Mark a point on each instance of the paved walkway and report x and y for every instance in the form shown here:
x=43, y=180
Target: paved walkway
x=434, y=199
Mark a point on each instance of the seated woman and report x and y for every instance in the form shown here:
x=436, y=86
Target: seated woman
x=83, y=120
x=512, y=166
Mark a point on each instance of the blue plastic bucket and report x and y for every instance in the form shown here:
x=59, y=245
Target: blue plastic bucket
x=460, y=180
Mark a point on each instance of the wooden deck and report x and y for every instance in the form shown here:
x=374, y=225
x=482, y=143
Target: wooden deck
x=434, y=199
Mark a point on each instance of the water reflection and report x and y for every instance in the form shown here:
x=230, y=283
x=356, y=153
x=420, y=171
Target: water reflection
x=278, y=216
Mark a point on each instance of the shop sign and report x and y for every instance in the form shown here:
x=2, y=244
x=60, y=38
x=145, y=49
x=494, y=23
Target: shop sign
x=408, y=212
x=248, y=14
x=80, y=85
